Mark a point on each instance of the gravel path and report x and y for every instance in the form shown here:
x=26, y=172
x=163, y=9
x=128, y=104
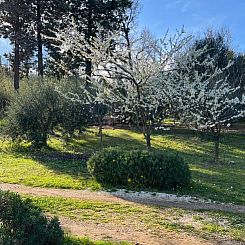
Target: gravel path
x=122, y=196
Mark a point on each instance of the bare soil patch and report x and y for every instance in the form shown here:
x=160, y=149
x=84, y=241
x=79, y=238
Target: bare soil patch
x=129, y=233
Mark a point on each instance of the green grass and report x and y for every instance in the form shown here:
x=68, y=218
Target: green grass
x=97, y=211
x=49, y=168
x=156, y=219
x=47, y=172
x=70, y=240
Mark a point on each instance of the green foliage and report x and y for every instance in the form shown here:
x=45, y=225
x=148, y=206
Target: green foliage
x=73, y=114
x=4, y=100
x=32, y=114
x=38, y=109
x=22, y=223
x=109, y=167
x=158, y=170
x=5, y=92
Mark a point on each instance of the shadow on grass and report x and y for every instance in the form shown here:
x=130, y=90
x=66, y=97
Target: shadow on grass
x=72, y=160
x=90, y=144
x=219, y=182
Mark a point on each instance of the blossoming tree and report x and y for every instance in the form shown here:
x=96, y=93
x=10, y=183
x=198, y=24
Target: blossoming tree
x=206, y=99
x=133, y=69
x=145, y=76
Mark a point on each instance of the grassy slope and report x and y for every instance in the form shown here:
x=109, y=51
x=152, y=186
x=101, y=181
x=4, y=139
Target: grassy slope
x=50, y=169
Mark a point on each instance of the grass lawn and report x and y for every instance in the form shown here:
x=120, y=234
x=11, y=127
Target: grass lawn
x=64, y=166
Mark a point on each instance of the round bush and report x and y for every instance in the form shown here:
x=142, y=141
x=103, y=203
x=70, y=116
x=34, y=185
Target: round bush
x=22, y=223
x=158, y=170
x=108, y=167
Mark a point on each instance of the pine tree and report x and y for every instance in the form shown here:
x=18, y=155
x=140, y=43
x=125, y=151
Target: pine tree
x=15, y=18
x=27, y=62
x=46, y=19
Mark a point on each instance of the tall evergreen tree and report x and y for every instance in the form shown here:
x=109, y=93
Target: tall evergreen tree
x=15, y=16
x=46, y=19
x=237, y=72
x=217, y=47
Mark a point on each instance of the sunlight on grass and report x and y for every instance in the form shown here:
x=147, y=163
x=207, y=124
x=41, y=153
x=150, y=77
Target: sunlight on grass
x=58, y=174
x=206, y=171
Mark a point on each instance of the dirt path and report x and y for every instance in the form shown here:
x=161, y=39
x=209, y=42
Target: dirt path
x=129, y=232
x=125, y=197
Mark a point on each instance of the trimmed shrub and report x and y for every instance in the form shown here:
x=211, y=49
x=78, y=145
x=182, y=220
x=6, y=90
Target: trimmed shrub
x=22, y=223
x=109, y=167
x=158, y=170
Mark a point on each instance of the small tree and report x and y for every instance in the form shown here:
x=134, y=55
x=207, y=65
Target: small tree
x=39, y=110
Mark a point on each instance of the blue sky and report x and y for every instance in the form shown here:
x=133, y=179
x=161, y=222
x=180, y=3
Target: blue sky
x=4, y=48
x=195, y=15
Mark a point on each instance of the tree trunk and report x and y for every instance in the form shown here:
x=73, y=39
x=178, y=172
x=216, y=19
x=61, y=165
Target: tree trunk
x=101, y=131
x=88, y=69
x=44, y=140
x=17, y=62
x=147, y=134
x=39, y=40
x=216, y=147
x=126, y=32
x=146, y=126
x=41, y=142
x=148, y=141
x=88, y=35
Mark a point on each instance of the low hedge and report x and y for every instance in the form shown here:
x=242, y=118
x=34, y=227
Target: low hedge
x=22, y=223
x=160, y=170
